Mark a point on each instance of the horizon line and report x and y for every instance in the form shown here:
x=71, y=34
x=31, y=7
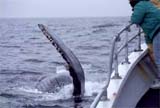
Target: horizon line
x=62, y=17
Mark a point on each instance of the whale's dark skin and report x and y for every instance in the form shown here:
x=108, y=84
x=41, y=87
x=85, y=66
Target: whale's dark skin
x=74, y=66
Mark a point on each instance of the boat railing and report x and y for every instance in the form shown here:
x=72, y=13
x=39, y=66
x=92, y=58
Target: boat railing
x=114, y=54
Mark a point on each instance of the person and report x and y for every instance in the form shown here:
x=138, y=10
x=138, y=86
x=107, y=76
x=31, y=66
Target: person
x=147, y=16
x=156, y=3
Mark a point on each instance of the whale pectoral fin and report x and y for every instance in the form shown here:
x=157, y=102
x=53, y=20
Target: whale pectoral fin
x=77, y=72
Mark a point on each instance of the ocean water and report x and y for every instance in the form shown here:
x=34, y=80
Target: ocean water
x=26, y=56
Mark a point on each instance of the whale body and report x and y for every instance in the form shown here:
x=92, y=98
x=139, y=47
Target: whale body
x=53, y=83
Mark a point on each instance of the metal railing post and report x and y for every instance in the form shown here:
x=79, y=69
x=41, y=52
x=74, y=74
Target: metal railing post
x=139, y=41
x=126, y=47
x=116, y=74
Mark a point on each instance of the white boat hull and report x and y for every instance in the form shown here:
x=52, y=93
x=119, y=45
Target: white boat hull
x=137, y=78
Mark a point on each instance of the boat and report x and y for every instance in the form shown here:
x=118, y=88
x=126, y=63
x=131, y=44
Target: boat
x=129, y=83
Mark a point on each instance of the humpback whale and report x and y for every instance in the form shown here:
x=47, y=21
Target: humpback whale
x=75, y=69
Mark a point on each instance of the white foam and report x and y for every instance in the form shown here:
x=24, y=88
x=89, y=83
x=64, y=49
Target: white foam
x=61, y=69
x=87, y=67
x=93, y=87
x=64, y=93
x=29, y=90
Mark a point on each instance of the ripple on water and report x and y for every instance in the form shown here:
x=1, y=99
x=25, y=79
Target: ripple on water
x=16, y=72
x=34, y=60
x=10, y=46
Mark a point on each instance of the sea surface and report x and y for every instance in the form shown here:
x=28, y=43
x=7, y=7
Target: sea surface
x=26, y=56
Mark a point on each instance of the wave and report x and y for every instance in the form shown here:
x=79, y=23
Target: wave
x=57, y=63
x=90, y=47
x=34, y=60
x=33, y=38
x=8, y=95
x=99, y=30
x=9, y=46
x=105, y=25
x=22, y=72
x=43, y=106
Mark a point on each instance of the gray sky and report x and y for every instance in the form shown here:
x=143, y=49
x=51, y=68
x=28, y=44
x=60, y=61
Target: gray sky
x=64, y=8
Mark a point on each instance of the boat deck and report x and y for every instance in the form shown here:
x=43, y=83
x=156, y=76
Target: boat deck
x=136, y=80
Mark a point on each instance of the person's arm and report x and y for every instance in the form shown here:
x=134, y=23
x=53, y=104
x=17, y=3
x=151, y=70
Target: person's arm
x=138, y=13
